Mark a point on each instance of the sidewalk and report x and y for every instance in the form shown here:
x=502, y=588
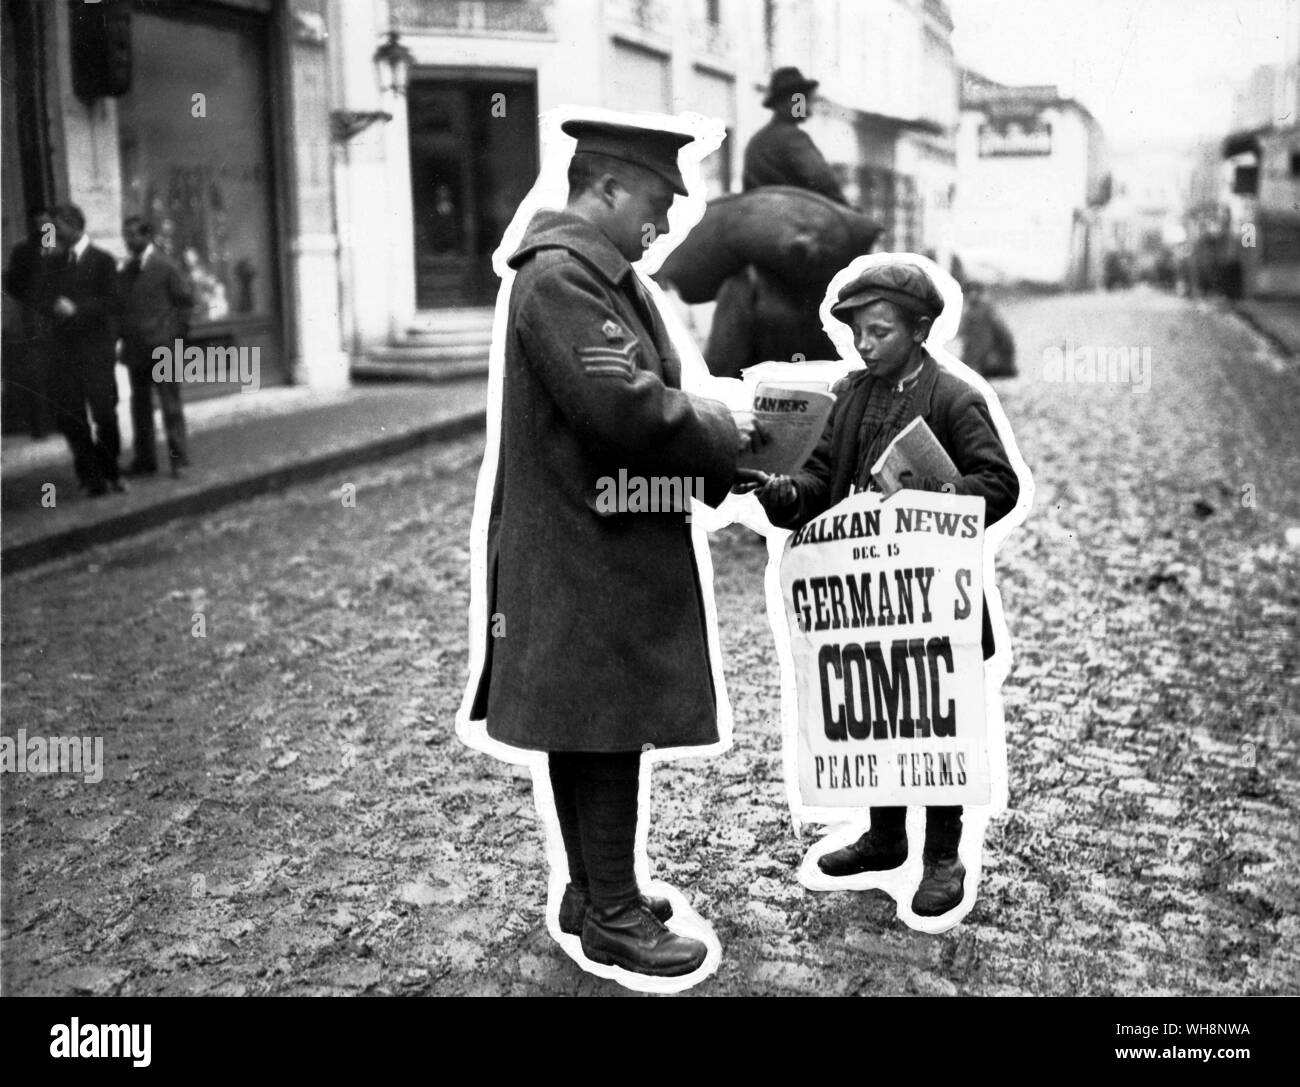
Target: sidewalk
x=1277, y=319
x=240, y=446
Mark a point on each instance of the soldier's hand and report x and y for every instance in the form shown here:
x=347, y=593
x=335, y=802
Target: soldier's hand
x=64, y=306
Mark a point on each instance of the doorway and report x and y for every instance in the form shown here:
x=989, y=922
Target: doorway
x=473, y=160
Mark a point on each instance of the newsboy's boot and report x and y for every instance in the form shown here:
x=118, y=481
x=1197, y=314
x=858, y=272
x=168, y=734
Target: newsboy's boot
x=883, y=847
x=941, y=887
x=943, y=878
x=573, y=908
x=632, y=937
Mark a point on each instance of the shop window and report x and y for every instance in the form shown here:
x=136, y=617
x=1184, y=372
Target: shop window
x=196, y=160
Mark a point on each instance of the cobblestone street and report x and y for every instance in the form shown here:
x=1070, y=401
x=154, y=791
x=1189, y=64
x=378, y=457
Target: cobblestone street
x=286, y=808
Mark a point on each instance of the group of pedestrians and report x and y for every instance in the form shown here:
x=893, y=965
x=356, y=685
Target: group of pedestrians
x=77, y=305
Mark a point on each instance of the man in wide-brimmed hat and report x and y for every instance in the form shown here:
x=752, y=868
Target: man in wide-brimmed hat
x=780, y=153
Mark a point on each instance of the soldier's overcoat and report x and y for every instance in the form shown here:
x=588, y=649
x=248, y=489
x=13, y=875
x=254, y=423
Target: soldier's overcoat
x=604, y=644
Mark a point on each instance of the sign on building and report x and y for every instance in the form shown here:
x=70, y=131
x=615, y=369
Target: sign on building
x=1009, y=138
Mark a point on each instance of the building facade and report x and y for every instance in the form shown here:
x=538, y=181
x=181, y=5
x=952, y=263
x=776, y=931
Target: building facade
x=216, y=129
x=1034, y=176
x=337, y=208
x=463, y=152
x=1258, y=213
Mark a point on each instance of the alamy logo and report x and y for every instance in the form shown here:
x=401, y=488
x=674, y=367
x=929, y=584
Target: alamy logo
x=647, y=494
x=213, y=365
x=1090, y=364
x=78, y=1039
x=53, y=755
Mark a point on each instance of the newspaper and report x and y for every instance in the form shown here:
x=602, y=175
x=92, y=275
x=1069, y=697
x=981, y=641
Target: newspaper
x=792, y=414
x=915, y=450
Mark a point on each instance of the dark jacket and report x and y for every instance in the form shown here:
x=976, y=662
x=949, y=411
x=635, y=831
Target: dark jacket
x=959, y=416
x=28, y=278
x=605, y=645
x=782, y=153
x=156, y=303
x=89, y=336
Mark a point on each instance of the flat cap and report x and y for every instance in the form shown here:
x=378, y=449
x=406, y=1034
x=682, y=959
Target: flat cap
x=905, y=284
x=655, y=149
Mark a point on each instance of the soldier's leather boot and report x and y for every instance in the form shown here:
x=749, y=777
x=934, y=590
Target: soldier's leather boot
x=875, y=851
x=573, y=908
x=632, y=937
x=941, y=887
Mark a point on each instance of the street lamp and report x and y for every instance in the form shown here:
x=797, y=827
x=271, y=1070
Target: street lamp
x=393, y=67
x=393, y=63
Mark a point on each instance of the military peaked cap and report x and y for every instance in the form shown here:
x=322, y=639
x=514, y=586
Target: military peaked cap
x=655, y=149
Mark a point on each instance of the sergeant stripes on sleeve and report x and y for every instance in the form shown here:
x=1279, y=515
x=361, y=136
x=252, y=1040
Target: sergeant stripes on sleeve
x=608, y=361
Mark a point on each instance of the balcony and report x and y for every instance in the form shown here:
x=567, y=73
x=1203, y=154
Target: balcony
x=646, y=16
x=475, y=17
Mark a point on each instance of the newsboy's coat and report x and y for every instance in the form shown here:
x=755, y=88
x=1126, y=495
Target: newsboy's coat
x=603, y=643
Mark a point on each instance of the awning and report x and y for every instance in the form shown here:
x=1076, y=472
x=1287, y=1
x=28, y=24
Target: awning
x=1239, y=143
x=916, y=124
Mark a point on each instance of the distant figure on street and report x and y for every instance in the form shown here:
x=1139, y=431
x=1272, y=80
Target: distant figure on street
x=80, y=301
x=780, y=153
x=26, y=280
x=988, y=347
x=157, y=301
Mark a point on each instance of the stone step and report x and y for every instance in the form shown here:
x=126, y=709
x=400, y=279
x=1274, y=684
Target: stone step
x=412, y=365
x=443, y=337
x=463, y=319
x=437, y=352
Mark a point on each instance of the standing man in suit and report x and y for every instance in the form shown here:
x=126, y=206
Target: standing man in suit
x=26, y=280
x=82, y=307
x=780, y=153
x=157, y=301
x=608, y=653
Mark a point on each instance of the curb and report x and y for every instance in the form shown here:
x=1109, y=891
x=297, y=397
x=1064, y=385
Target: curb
x=1279, y=343
x=68, y=542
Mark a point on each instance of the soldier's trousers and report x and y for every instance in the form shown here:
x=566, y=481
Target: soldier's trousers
x=596, y=802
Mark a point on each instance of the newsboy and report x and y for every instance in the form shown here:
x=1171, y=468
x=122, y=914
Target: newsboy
x=891, y=306
x=605, y=652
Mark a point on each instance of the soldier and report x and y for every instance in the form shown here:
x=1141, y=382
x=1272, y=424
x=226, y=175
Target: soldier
x=780, y=153
x=606, y=653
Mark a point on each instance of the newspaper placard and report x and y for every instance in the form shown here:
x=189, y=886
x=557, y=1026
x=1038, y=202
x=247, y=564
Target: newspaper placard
x=883, y=600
